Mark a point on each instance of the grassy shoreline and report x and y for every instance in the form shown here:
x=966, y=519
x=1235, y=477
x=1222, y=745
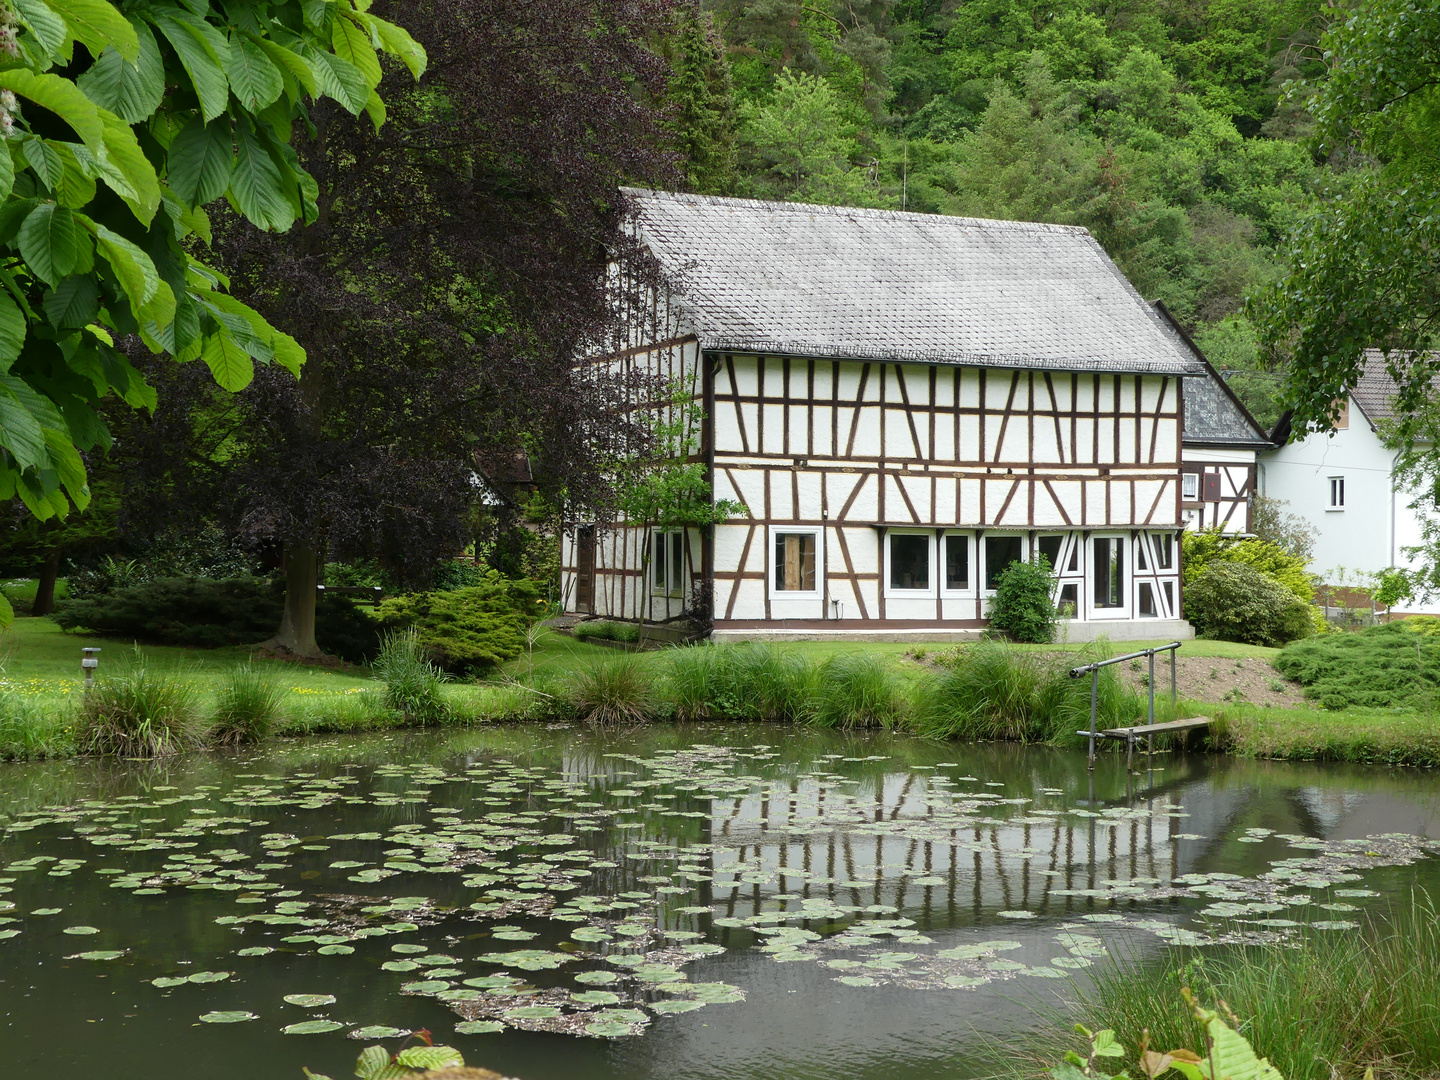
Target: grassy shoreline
x=882, y=684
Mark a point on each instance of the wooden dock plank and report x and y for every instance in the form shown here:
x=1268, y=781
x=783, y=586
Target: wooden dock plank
x=1141, y=731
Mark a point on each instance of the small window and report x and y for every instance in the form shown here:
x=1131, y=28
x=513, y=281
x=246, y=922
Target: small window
x=1337, y=493
x=1147, y=602
x=909, y=561
x=1190, y=487
x=1140, y=560
x=957, y=562
x=1168, y=588
x=795, y=562
x=1050, y=549
x=1074, y=565
x=1069, y=602
x=1165, y=550
x=1000, y=552
x=1109, y=572
x=667, y=561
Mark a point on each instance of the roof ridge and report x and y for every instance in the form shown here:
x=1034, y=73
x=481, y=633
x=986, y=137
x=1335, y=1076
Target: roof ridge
x=850, y=211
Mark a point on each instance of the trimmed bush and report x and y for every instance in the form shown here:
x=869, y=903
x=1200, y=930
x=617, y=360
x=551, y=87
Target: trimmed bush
x=618, y=691
x=1023, y=606
x=1235, y=602
x=247, y=707
x=1200, y=550
x=1382, y=667
x=606, y=630
x=135, y=711
x=209, y=614
x=412, y=682
x=858, y=690
x=475, y=627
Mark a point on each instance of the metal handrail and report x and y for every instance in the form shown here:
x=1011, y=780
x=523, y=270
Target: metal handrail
x=1094, y=671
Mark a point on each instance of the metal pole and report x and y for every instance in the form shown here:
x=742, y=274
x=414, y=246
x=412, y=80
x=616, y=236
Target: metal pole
x=1174, y=694
x=1150, y=738
x=1094, y=690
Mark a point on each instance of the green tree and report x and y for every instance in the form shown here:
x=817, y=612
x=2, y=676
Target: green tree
x=121, y=123
x=702, y=92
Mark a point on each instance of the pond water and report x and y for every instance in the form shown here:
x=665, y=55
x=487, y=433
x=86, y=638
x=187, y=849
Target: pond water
x=738, y=902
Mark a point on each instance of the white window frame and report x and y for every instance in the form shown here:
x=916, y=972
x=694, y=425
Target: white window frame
x=1189, y=487
x=1161, y=542
x=971, y=589
x=1057, y=569
x=795, y=594
x=932, y=590
x=1336, y=487
x=675, y=578
x=984, y=560
x=1127, y=591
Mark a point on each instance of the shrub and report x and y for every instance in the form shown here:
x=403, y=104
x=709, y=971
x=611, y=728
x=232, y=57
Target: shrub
x=1381, y=667
x=1023, y=606
x=247, y=707
x=474, y=627
x=135, y=711
x=412, y=683
x=857, y=690
x=618, y=691
x=1237, y=602
x=209, y=613
x=607, y=630
x=1200, y=550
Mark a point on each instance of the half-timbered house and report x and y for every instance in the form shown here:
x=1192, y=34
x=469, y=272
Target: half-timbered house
x=906, y=404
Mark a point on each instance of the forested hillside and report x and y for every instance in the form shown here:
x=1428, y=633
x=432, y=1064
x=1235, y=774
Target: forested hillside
x=1163, y=126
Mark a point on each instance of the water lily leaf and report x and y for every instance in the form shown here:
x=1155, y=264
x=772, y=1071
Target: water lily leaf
x=856, y=980
x=209, y=976
x=399, y=965
x=335, y=950
x=532, y=1012
x=47, y=911
x=310, y=1001
x=425, y=986
x=378, y=1031
x=312, y=1027
x=609, y=1029
x=99, y=954
x=479, y=1027
x=596, y=997
x=80, y=931
x=167, y=981
x=255, y=950
x=232, y=1017
x=677, y=1006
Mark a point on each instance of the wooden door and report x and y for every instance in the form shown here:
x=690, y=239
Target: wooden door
x=585, y=568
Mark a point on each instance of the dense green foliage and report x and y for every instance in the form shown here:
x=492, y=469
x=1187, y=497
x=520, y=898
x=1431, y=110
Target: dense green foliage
x=1332, y=1005
x=607, y=630
x=473, y=627
x=1236, y=602
x=247, y=707
x=1284, y=559
x=1383, y=666
x=617, y=691
x=858, y=690
x=751, y=680
x=1162, y=128
x=1024, y=605
x=134, y=710
x=119, y=129
x=209, y=613
x=412, y=683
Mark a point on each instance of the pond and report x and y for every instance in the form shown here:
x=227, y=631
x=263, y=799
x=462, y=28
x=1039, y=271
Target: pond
x=709, y=901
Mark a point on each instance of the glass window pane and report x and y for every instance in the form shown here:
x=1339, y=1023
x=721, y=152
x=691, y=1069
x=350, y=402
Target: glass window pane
x=677, y=561
x=795, y=562
x=1147, y=601
x=1050, y=548
x=1109, y=572
x=1165, y=550
x=1000, y=552
x=1069, y=602
x=957, y=562
x=657, y=557
x=909, y=562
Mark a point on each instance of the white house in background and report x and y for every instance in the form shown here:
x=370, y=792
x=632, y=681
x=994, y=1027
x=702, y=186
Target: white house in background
x=1343, y=484
x=1220, y=447
x=906, y=404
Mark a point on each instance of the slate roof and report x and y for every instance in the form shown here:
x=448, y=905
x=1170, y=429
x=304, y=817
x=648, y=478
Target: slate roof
x=1376, y=390
x=801, y=280
x=1214, y=415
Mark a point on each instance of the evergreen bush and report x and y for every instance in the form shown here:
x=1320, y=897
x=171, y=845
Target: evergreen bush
x=1024, y=605
x=210, y=613
x=1200, y=550
x=1394, y=664
x=1236, y=602
x=474, y=627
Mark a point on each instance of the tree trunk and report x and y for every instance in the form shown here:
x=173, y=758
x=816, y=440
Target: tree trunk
x=297, y=624
x=45, y=592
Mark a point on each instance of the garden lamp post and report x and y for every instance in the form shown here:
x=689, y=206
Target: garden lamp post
x=89, y=661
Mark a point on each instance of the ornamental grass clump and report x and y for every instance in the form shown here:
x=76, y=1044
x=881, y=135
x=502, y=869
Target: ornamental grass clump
x=857, y=690
x=618, y=691
x=747, y=681
x=247, y=707
x=412, y=683
x=134, y=710
x=606, y=630
x=27, y=733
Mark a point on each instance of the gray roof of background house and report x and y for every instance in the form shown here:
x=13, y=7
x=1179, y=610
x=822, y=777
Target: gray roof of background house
x=825, y=281
x=1375, y=392
x=1214, y=415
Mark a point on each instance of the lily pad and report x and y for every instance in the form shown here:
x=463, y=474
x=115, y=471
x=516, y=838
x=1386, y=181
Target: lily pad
x=378, y=1031
x=99, y=954
x=676, y=1006
x=479, y=1027
x=235, y=1016
x=80, y=931
x=310, y=1001
x=312, y=1027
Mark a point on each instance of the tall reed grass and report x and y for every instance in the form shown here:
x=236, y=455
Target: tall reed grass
x=412, y=683
x=247, y=707
x=1328, y=1008
x=27, y=733
x=858, y=690
x=751, y=680
x=137, y=711
x=619, y=691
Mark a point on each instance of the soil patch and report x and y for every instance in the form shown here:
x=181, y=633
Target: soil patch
x=1218, y=679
